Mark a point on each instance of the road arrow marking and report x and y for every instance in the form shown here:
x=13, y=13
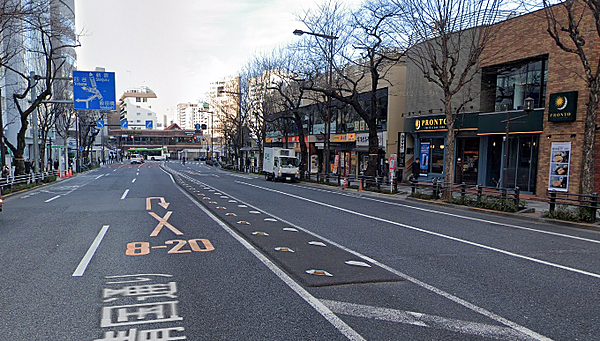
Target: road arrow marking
x=162, y=202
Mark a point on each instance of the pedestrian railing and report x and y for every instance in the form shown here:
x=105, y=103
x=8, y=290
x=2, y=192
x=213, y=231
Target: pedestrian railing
x=472, y=195
x=572, y=206
x=382, y=184
x=26, y=179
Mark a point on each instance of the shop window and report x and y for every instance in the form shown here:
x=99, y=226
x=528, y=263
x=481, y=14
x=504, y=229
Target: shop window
x=516, y=81
x=433, y=159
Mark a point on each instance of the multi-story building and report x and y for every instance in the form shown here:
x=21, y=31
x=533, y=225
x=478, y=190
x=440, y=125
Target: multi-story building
x=223, y=100
x=349, y=133
x=19, y=42
x=191, y=115
x=135, y=108
x=543, y=151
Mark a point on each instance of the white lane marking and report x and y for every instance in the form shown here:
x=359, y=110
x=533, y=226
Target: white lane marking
x=125, y=194
x=99, y=176
x=55, y=197
x=132, y=181
x=413, y=280
x=340, y=325
x=464, y=241
x=90, y=252
x=491, y=222
x=424, y=320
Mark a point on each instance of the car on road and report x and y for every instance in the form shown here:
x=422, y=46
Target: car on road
x=136, y=159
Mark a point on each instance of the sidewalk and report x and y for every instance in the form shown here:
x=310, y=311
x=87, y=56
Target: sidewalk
x=536, y=207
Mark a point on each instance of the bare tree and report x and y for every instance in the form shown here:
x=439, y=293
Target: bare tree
x=65, y=120
x=449, y=38
x=46, y=46
x=574, y=25
x=256, y=104
x=88, y=132
x=370, y=45
x=285, y=93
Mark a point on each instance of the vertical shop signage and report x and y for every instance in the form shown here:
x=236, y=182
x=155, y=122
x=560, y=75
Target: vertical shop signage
x=424, y=158
x=560, y=158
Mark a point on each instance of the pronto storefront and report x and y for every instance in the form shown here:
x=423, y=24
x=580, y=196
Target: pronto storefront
x=480, y=148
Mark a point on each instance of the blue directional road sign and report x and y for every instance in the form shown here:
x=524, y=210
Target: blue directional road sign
x=94, y=90
x=124, y=124
x=100, y=124
x=197, y=126
x=149, y=125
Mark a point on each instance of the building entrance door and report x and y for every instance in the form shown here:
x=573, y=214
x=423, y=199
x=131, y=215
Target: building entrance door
x=467, y=159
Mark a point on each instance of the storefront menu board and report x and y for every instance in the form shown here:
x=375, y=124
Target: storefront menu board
x=560, y=158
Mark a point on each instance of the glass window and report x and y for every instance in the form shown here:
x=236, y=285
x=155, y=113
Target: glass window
x=517, y=81
x=436, y=155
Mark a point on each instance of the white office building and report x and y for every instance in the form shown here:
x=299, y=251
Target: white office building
x=136, y=107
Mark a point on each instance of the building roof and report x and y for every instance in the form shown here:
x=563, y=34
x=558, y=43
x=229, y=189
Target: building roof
x=173, y=127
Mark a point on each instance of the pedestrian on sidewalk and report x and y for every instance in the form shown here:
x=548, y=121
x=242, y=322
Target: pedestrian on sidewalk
x=416, y=168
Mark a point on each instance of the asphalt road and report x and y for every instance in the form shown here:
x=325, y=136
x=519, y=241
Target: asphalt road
x=190, y=252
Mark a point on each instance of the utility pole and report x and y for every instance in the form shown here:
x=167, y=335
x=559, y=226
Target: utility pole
x=36, y=152
x=331, y=39
x=2, y=153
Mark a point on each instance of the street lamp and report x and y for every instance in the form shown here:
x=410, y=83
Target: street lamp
x=528, y=105
x=331, y=38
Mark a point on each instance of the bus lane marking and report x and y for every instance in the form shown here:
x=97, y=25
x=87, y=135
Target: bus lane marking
x=176, y=246
x=159, y=305
x=162, y=221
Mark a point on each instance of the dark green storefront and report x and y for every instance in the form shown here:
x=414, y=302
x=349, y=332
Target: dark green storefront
x=479, y=148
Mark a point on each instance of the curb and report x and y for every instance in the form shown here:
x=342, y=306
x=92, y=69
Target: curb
x=516, y=215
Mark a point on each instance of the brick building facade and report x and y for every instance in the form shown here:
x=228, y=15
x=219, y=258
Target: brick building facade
x=526, y=37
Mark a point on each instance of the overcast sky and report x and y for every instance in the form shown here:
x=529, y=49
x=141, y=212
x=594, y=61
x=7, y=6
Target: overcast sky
x=178, y=47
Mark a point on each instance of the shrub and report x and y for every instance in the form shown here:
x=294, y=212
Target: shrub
x=577, y=214
x=420, y=195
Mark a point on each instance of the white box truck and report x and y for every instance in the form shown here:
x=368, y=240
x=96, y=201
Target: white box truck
x=280, y=164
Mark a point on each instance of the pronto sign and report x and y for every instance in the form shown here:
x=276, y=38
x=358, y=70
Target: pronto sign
x=562, y=107
x=94, y=90
x=431, y=123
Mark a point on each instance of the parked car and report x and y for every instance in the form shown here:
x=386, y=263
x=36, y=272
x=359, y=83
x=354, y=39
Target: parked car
x=1, y=201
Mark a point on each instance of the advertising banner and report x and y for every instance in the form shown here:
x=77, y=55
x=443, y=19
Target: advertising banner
x=560, y=166
x=424, y=158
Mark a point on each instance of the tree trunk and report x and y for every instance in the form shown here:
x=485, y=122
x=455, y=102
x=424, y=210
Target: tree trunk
x=587, y=173
x=303, y=149
x=449, y=151
x=373, y=149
